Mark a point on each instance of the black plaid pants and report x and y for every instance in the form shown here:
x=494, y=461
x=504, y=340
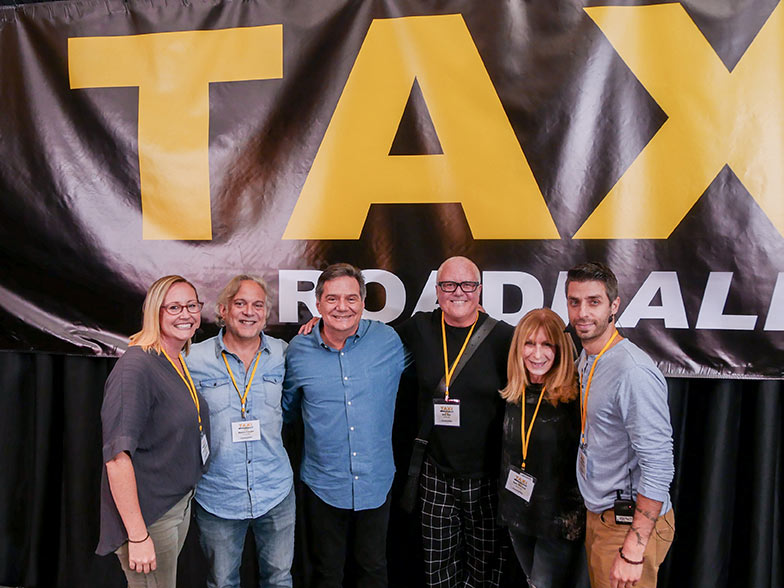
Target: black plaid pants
x=462, y=542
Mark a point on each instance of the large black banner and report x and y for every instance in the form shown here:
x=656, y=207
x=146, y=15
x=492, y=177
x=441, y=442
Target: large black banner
x=208, y=138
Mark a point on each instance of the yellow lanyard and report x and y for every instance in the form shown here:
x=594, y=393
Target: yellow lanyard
x=243, y=397
x=527, y=436
x=584, y=399
x=447, y=370
x=188, y=384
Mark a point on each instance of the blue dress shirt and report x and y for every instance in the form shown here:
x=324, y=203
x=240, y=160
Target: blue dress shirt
x=244, y=480
x=347, y=401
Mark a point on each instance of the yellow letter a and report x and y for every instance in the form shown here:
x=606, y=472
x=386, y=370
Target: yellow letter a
x=482, y=165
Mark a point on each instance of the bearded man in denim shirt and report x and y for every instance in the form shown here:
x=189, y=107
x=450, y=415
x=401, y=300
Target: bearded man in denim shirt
x=249, y=482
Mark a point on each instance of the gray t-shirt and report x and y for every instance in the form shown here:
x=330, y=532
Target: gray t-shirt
x=628, y=432
x=148, y=412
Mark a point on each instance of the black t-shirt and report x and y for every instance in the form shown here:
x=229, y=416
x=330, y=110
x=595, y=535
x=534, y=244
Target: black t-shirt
x=473, y=449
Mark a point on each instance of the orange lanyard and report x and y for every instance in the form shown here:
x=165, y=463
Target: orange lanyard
x=243, y=397
x=527, y=436
x=447, y=370
x=584, y=399
x=188, y=384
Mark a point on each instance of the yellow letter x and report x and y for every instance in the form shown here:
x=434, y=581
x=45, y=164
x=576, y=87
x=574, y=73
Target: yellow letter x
x=173, y=72
x=715, y=118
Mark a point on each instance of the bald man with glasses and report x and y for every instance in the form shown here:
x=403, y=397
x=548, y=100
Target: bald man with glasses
x=460, y=414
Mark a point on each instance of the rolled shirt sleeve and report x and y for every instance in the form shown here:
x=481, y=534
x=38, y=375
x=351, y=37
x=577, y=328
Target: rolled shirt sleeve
x=642, y=402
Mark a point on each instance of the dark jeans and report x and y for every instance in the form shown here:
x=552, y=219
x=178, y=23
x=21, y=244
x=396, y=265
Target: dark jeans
x=550, y=562
x=333, y=533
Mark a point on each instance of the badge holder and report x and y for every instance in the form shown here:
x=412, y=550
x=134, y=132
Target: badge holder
x=520, y=483
x=446, y=413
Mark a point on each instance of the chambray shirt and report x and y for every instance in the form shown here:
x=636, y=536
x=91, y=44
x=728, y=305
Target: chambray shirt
x=627, y=429
x=244, y=480
x=347, y=402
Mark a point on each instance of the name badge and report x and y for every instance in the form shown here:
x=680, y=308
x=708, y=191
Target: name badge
x=520, y=483
x=205, y=449
x=446, y=413
x=582, y=461
x=243, y=431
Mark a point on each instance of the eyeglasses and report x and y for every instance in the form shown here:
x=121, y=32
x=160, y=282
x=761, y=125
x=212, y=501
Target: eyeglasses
x=175, y=308
x=466, y=287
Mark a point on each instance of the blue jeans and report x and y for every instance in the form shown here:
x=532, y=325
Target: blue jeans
x=550, y=562
x=224, y=539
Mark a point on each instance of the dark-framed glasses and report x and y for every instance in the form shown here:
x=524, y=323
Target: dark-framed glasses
x=466, y=287
x=175, y=308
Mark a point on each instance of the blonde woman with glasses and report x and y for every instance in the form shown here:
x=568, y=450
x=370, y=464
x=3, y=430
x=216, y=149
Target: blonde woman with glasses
x=155, y=439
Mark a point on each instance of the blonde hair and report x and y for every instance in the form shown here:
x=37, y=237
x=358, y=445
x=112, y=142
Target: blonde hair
x=230, y=291
x=150, y=335
x=561, y=379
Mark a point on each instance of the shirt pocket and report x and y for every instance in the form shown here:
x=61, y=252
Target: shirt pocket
x=273, y=385
x=217, y=392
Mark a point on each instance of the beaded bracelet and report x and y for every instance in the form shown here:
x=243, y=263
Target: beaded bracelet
x=627, y=560
x=148, y=536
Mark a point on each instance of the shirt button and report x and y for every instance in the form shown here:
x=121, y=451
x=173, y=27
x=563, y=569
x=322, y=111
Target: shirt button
x=354, y=454
x=341, y=353
x=349, y=403
x=248, y=461
x=356, y=477
x=345, y=377
x=351, y=428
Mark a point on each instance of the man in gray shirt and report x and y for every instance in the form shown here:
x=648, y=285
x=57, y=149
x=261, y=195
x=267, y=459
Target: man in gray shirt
x=625, y=460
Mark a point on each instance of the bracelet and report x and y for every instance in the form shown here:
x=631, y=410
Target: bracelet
x=147, y=536
x=629, y=561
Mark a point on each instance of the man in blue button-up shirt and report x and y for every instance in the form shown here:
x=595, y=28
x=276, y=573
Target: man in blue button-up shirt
x=249, y=482
x=344, y=376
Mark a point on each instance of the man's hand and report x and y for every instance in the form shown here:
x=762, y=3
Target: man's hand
x=623, y=574
x=308, y=326
x=141, y=556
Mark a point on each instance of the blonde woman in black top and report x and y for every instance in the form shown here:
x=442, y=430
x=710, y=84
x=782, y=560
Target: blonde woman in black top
x=539, y=500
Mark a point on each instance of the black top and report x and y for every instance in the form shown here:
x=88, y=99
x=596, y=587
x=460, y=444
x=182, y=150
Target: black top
x=471, y=450
x=148, y=412
x=556, y=508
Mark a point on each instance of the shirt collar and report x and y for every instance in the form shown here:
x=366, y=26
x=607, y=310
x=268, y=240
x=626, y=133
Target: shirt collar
x=364, y=325
x=220, y=346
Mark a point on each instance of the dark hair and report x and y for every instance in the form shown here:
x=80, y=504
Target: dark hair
x=339, y=270
x=594, y=271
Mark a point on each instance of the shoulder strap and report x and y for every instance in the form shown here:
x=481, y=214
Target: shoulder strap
x=476, y=340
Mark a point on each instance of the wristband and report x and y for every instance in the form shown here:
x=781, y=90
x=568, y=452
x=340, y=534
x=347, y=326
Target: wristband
x=629, y=561
x=148, y=536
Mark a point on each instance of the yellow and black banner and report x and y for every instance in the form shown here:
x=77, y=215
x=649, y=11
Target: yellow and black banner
x=204, y=137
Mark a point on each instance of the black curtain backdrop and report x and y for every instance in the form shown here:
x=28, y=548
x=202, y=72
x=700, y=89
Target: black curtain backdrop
x=727, y=491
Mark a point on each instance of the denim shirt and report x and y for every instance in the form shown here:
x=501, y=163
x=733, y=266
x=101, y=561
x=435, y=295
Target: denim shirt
x=347, y=402
x=244, y=480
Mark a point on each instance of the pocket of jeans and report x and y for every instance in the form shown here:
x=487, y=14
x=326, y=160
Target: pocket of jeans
x=665, y=531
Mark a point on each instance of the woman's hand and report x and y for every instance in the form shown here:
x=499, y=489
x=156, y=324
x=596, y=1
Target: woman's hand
x=122, y=483
x=141, y=556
